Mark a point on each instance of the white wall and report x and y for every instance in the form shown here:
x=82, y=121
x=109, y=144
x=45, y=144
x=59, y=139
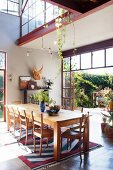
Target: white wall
x=19, y=64
x=90, y=29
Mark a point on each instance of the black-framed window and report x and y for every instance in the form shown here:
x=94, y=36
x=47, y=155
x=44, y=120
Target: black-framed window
x=38, y=13
x=10, y=6
x=109, y=57
x=96, y=59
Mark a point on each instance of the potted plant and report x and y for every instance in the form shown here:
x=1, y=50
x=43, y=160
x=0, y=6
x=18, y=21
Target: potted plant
x=34, y=98
x=109, y=126
x=43, y=98
x=109, y=99
x=103, y=124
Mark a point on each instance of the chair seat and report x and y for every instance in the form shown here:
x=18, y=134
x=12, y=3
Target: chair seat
x=71, y=134
x=45, y=133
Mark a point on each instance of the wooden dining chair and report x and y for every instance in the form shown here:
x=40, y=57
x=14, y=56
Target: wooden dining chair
x=13, y=118
x=78, y=109
x=42, y=131
x=76, y=132
x=25, y=123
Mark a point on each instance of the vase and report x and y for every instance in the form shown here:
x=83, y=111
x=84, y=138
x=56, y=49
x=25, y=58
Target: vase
x=103, y=126
x=42, y=106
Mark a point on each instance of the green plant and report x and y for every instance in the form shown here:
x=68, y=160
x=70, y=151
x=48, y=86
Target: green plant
x=34, y=98
x=109, y=117
x=109, y=96
x=61, y=30
x=42, y=96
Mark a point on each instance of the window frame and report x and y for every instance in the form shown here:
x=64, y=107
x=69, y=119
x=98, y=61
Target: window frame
x=72, y=70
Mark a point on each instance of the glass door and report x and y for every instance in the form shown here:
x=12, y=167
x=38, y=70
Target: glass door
x=2, y=85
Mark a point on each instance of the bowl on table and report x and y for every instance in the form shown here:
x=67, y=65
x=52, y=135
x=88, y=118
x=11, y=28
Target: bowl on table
x=53, y=110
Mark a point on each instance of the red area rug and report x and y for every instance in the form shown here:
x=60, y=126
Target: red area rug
x=16, y=148
x=35, y=161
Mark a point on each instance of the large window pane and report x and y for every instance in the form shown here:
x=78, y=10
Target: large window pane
x=2, y=60
x=31, y=2
x=66, y=92
x=66, y=103
x=10, y=6
x=109, y=57
x=17, y=1
x=85, y=60
x=39, y=7
x=75, y=62
x=40, y=20
x=98, y=58
x=25, y=29
x=32, y=25
x=25, y=17
x=41, y=11
x=49, y=14
x=3, y=5
x=55, y=12
x=13, y=8
x=66, y=64
x=66, y=79
x=32, y=12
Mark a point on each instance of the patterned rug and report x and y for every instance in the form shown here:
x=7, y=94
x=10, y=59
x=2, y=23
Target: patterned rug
x=34, y=160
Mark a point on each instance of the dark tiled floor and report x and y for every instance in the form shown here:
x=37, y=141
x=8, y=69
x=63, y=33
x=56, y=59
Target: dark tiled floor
x=98, y=159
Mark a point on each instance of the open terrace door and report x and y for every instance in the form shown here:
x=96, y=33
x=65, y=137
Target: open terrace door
x=2, y=85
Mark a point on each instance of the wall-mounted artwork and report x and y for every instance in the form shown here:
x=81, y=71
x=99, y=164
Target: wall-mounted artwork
x=37, y=73
x=24, y=81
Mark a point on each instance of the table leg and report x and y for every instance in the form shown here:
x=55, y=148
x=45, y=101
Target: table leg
x=86, y=137
x=57, y=141
x=7, y=120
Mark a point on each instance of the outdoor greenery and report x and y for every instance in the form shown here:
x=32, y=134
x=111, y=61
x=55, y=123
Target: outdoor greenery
x=85, y=84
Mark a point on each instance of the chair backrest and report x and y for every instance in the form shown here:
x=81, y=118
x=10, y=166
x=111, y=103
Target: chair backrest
x=83, y=122
x=22, y=116
x=15, y=111
x=11, y=112
x=37, y=121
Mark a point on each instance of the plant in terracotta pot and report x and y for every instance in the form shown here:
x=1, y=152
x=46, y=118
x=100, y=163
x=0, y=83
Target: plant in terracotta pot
x=109, y=99
x=103, y=124
x=109, y=126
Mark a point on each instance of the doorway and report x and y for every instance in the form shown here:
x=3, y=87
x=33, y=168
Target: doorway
x=2, y=86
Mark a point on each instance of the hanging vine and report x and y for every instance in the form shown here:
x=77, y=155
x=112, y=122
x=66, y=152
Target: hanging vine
x=61, y=30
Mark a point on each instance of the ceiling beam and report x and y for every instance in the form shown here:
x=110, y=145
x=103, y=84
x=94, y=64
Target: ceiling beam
x=41, y=31
x=88, y=48
x=69, y=5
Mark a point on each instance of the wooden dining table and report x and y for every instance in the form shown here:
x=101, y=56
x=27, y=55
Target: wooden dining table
x=62, y=119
